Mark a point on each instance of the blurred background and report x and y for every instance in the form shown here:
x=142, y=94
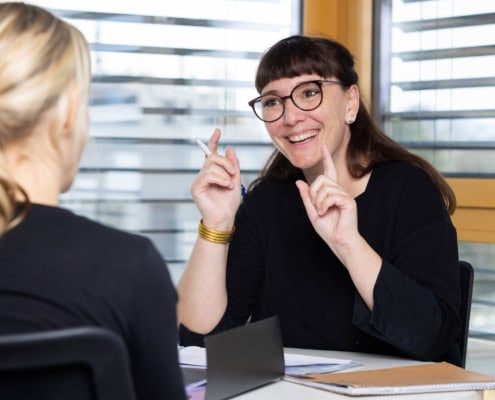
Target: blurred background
x=166, y=72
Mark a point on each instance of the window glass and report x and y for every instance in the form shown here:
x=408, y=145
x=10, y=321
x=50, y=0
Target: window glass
x=441, y=81
x=165, y=73
x=437, y=71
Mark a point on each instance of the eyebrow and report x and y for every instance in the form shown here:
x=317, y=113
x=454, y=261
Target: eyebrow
x=297, y=84
x=270, y=92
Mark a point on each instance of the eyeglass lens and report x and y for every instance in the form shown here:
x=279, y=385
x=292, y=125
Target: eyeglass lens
x=306, y=96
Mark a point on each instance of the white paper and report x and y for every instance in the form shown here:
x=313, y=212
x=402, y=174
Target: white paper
x=294, y=363
x=193, y=356
x=292, y=360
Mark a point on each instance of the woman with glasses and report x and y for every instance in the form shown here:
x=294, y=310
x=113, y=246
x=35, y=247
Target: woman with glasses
x=346, y=235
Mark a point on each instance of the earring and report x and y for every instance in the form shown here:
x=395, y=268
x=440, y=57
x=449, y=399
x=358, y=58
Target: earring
x=351, y=119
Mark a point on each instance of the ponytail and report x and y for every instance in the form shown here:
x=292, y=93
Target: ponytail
x=9, y=190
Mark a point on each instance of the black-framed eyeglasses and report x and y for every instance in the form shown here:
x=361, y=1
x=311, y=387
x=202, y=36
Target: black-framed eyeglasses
x=306, y=96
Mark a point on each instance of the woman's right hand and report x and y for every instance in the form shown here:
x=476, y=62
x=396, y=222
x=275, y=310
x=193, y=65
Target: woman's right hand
x=217, y=188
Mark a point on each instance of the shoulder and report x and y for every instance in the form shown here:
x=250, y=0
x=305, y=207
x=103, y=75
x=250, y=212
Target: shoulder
x=408, y=189
x=88, y=238
x=399, y=169
x=132, y=259
x=402, y=175
x=95, y=230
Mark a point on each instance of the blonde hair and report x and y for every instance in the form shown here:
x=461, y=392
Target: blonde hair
x=42, y=57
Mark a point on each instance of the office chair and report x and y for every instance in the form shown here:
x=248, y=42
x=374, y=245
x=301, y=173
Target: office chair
x=86, y=363
x=466, y=280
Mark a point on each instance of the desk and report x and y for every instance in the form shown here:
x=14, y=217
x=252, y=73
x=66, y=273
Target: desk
x=292, y=391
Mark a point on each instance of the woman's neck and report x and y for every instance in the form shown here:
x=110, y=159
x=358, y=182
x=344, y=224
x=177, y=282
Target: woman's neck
x=38, y=178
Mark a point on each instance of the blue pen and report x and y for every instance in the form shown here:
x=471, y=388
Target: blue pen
x=207, y=152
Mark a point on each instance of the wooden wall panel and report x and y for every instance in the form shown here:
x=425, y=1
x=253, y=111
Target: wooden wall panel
x=475, y=214
x=350, y=23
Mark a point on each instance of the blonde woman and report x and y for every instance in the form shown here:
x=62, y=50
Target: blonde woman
x=58, y=269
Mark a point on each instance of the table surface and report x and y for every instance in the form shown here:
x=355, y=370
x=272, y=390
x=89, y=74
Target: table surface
x=292, y=391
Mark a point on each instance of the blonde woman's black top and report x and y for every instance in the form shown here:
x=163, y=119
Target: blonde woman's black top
x=61, y=270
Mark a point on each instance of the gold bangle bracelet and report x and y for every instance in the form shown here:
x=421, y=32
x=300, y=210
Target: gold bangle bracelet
x=214, y=236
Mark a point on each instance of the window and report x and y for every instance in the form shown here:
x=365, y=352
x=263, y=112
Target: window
x=437, y=97
x=165, y=73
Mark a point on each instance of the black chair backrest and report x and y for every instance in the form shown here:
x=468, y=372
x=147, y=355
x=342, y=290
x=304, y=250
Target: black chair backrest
x=466, y=279
x=86, y=363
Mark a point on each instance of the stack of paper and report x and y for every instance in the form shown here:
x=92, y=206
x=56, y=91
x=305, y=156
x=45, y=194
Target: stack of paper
x=295, y=364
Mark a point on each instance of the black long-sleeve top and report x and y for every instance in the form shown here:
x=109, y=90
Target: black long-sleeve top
x=60, y=270
x=278, y=265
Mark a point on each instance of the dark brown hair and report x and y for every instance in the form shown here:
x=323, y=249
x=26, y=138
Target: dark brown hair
x=368, y=145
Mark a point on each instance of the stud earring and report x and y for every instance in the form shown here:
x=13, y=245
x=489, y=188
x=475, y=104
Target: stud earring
x=351, y=119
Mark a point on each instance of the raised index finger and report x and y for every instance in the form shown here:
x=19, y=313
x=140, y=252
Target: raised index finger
x=328, y=165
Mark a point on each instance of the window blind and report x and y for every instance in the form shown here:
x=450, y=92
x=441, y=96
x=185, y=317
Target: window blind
x=163, y=74
x=439, y=100
x=435, y=89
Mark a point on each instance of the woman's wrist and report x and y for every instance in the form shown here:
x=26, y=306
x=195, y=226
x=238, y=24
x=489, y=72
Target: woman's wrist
x=215, y=235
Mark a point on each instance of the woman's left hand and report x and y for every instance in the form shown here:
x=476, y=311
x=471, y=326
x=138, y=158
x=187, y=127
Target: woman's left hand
x=333, y=214
x=331, y=210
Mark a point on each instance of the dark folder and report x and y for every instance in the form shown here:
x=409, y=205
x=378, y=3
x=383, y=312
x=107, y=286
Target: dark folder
x=243, y=358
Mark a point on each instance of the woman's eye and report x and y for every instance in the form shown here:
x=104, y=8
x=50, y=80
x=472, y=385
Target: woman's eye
x=270, y=102
x=311, y=92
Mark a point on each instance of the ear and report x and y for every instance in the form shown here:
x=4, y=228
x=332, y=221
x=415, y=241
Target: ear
x=352, y=105
x=71, y=111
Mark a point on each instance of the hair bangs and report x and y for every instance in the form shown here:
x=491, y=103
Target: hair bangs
x=300, y=55
x=289, y=61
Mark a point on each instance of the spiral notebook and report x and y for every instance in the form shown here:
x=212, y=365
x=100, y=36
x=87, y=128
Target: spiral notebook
x=423, y=378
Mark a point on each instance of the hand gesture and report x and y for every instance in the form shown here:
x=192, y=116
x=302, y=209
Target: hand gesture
x=331, y=210
x=217, y=188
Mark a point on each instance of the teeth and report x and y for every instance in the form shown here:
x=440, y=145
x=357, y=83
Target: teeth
x=302, y=137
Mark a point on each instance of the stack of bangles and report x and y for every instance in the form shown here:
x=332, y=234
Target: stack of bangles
x=214, y=236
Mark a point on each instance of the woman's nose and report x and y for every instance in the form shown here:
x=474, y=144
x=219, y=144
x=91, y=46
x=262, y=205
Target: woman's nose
x=292, y=114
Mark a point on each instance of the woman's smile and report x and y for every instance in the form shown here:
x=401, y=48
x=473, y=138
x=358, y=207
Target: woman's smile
x=302, y=137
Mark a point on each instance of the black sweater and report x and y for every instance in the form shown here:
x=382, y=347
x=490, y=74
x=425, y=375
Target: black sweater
x=60, y=270
x=278, y=265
